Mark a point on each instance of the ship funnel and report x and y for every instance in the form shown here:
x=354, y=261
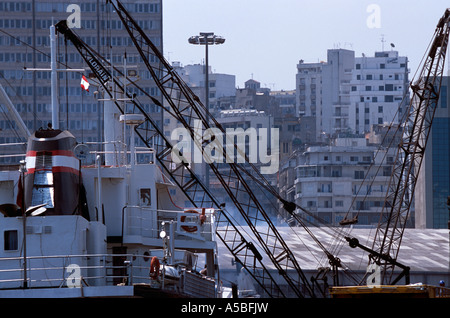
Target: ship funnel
x=52, y=176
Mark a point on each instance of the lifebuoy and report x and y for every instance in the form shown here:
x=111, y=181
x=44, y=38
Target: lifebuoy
x=154, y=267
x=193, y=228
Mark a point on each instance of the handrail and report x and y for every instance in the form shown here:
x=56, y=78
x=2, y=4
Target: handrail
x=42, y=272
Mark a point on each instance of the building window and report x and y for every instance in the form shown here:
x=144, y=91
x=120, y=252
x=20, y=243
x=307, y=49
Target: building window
x=311, y=204
x=11, y=240
x=380, y=109
x=359, y=174
x=389, y=98
x=339, y=203
x=285, y=147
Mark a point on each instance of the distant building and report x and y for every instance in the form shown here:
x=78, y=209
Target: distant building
x=322, y=91
x=253, y=96
x=337, y=73
x=286, y=102
x=244, y=119
x=379, y=90
x=433, y=185
x=220, y=85
x=341, y=180
x=348, y=94
x=309, y=89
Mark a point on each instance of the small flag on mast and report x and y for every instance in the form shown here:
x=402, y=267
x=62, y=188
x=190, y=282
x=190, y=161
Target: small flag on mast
x=84, y=83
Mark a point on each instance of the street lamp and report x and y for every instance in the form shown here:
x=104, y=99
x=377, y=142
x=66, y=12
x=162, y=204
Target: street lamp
x=206, y=39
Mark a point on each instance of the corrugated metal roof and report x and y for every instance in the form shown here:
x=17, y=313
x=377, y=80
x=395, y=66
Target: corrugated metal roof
x=421, y=249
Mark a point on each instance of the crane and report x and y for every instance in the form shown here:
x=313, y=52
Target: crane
x=410, y=153
x=151, y=134
x=187, y=109
x=185, y=106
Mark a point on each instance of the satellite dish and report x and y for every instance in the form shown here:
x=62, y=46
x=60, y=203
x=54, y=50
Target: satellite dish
x=81, y=151
x=392, y=45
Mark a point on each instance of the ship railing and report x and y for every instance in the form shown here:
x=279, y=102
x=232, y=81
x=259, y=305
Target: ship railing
x=116, y=153
x=442, y=292
x=60, y=271
x=148, y=222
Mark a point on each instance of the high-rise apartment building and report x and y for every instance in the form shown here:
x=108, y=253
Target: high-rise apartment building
x=348, y=94
x=335, y=91
x=379, y=90
x=309, y=90
x=344, y=180
x=25, y=43
x=322, y=91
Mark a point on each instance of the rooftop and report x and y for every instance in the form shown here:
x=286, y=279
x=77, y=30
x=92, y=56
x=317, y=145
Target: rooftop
x=421, y=249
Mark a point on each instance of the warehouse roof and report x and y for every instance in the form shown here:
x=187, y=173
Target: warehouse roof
x=421, y=249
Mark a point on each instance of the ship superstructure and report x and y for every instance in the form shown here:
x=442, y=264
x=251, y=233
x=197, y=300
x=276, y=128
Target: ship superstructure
x=107, y=229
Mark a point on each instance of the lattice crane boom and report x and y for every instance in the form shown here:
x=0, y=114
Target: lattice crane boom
x=151, y=134
x=188, y=110
x=410, y=154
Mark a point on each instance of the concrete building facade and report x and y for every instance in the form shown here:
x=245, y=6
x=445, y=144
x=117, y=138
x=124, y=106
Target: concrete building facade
x=379, y=90
x=348, y=94
x=341, y=181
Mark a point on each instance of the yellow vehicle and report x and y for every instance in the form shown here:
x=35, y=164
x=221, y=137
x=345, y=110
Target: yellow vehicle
x=390, y=291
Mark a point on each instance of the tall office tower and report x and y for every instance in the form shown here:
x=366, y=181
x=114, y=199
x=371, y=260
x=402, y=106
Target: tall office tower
x=25, y=44
x=433, y=186
x=379, y=90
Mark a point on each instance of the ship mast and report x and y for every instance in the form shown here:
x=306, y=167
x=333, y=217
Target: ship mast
x=54, y=79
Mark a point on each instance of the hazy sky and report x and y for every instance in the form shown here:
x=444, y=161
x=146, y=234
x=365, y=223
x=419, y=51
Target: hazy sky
x=266, y=39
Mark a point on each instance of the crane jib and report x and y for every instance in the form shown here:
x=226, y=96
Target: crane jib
x=101, y=73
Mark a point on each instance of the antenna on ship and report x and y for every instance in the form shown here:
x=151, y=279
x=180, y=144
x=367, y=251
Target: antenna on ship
x=54, y=73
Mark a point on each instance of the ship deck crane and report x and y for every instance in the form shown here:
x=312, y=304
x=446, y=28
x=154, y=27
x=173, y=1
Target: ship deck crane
x=184, y=106
x=410, y=153
x=151, y=134
x=187, y=109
